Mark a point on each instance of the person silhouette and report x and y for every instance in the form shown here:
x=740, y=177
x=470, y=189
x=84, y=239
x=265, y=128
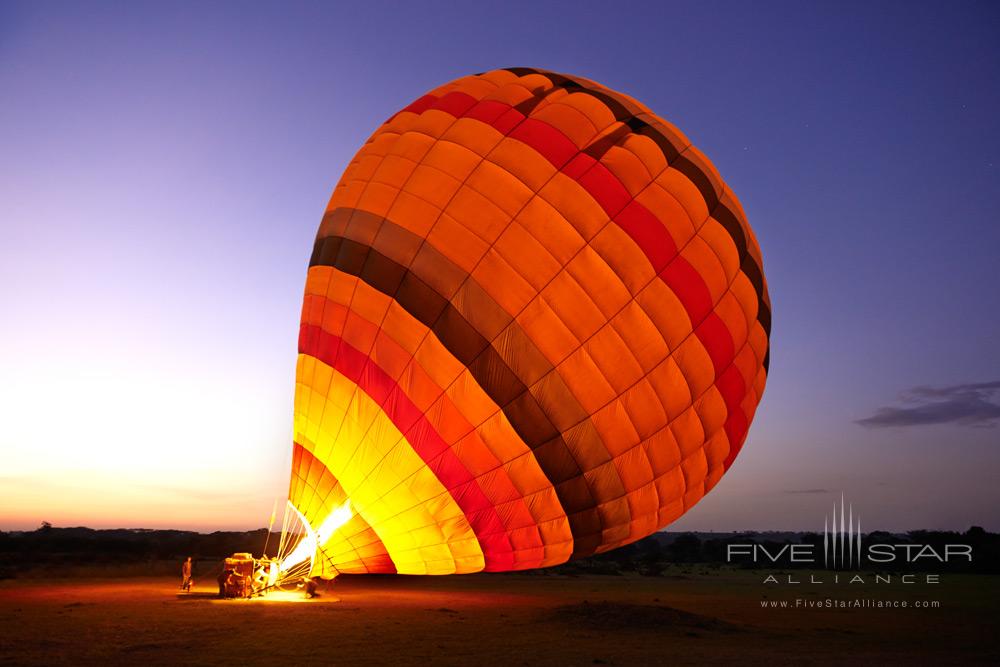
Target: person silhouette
x=186, y=580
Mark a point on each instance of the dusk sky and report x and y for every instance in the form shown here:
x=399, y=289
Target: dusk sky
x=165, y=167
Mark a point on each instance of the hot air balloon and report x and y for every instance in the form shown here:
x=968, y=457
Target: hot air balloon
x=535, y=328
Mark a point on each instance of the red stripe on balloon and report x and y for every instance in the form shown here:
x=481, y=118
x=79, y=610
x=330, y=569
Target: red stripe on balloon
x=718, y=342
x=684, y=280
x=456, y=104
x=420, y=433
x=488, y=111
x=417, y=107
x=609, y=192
x=555, y=146
x=736, y=430
x=644, y=227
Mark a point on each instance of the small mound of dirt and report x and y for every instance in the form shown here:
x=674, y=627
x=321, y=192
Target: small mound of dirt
x=619, y=616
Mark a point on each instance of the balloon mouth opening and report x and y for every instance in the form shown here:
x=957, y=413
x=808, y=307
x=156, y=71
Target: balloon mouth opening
x=300, y=550
x=300, y=557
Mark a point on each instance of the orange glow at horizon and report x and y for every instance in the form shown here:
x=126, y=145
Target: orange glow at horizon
x=127, y=438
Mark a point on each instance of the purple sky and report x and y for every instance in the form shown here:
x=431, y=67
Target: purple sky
x=164, y=170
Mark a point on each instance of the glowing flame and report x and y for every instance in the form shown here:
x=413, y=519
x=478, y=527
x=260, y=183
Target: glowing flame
x=272, y=574
x=314, y=539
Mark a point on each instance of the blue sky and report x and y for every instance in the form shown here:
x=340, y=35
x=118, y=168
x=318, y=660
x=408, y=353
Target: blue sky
x=165, y=167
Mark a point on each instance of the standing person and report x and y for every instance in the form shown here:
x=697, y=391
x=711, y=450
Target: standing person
x=186, y=575
x=223, y=580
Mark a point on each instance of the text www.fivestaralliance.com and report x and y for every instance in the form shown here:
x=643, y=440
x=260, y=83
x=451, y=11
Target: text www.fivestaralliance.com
x=855, y=603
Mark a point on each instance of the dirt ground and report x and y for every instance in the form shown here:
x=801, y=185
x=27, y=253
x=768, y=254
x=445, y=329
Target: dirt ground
x=689, y=617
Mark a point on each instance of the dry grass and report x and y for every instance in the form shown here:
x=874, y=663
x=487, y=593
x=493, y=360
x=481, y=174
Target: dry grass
x=695, y=618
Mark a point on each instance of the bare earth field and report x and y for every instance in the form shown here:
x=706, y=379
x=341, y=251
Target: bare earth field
x=689, y=617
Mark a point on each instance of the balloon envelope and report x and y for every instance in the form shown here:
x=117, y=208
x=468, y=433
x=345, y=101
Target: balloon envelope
x=535, y=327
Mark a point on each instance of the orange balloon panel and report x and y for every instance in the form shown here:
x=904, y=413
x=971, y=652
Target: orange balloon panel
x=535, y=328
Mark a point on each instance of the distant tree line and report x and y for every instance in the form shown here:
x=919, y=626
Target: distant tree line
x=54, y=550
x=59, y=550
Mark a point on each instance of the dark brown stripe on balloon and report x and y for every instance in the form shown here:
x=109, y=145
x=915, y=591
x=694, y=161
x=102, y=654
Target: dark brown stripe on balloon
x=620, y=111
x=623, y=112
x=517, y=391
x=598, y=148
